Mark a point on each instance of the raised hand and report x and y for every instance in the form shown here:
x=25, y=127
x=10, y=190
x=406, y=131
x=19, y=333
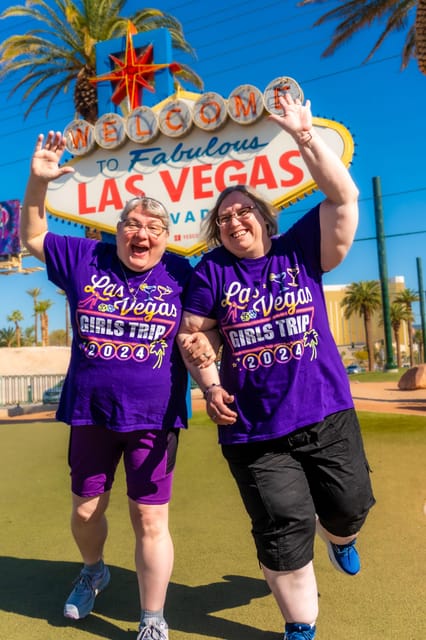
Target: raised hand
x=296, y=118
x=45, y=161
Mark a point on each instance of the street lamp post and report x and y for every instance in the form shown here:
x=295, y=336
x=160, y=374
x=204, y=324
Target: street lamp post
x=422, y=304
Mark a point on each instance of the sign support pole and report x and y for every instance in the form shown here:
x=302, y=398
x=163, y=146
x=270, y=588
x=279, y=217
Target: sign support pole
x=383, y=271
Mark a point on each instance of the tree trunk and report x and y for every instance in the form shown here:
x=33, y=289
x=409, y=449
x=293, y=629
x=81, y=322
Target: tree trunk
x=369, y=341
x=67, y=323
x=421, y=35
x=397, y=348
x=44, y=330
x=410, y=341
x=35, y=327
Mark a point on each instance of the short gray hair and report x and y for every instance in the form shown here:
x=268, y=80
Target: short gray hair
x=150, y=205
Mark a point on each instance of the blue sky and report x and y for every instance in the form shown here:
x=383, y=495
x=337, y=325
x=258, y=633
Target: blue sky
x=245, y=42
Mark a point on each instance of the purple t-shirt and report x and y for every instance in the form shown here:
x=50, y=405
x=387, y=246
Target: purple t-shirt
x=125, y=371
x=279, y=356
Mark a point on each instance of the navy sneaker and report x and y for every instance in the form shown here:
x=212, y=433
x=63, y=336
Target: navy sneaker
x=299, y=631
x=344, y=557
x=82, y=598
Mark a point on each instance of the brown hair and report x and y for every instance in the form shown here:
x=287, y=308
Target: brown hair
x=210, y=230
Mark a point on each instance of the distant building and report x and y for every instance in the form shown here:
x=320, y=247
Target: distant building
x=349, y=333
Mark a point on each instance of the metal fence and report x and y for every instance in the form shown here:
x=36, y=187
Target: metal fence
x=26, y=389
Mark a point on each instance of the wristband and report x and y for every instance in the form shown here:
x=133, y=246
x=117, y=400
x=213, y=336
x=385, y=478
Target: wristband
x=209, y=388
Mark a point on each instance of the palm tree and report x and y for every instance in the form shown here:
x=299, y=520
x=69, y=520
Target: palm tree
x=363, y=298
x=34, y=293
x=408, y=15
x=61, y=54
x=28, y=336
x=406, y=297
x=418, y=339
x=16, y=317
x=42, y=308
x=398, y=315
x=7, y=337
x=67, y=317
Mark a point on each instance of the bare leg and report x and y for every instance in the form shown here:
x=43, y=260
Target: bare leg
x=295, y=592
x=89, y=526
x=334, y=539
x=154, y=553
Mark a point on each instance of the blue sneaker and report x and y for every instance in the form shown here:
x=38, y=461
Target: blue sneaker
x=82, y=598
x=344, y=557
x=158, y=631
x=299, y=631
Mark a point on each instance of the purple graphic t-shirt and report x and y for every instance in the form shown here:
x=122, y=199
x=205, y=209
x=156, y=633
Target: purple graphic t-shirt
x=279, y=356
x=125, y=370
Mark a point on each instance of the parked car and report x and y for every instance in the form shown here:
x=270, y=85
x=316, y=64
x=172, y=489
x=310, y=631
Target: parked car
x=52, y=395
x=354, y=368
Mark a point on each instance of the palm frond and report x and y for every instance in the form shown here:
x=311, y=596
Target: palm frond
x=395, y=16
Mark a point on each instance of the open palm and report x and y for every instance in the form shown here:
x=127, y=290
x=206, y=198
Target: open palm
x=45, y=161
x=295, y=117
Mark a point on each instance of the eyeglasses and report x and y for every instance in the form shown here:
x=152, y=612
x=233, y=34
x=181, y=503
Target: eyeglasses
x=241, y=214
x=132, y=226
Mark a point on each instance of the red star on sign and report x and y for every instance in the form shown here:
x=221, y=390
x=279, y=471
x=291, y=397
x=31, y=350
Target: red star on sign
x=133, y=73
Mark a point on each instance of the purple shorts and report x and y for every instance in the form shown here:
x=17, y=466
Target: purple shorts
x=149, y=459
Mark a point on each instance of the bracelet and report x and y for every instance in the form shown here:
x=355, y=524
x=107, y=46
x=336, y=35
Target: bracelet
x=304, y=137
x=209, y=388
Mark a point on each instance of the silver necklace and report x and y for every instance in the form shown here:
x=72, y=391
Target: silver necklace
x=133, y=292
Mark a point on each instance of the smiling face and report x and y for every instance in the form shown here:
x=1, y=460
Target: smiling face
x=247, y=236
x=141, y=239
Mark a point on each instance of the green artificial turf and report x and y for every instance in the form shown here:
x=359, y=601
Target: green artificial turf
x=217, y=590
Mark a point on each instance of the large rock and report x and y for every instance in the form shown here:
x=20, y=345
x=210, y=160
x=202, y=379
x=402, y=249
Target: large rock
x=414, y=378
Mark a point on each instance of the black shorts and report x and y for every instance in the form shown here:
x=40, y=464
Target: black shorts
x=319, y=470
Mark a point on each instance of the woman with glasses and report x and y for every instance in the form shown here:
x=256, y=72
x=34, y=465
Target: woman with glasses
x=282, y=400
x=125, y=390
